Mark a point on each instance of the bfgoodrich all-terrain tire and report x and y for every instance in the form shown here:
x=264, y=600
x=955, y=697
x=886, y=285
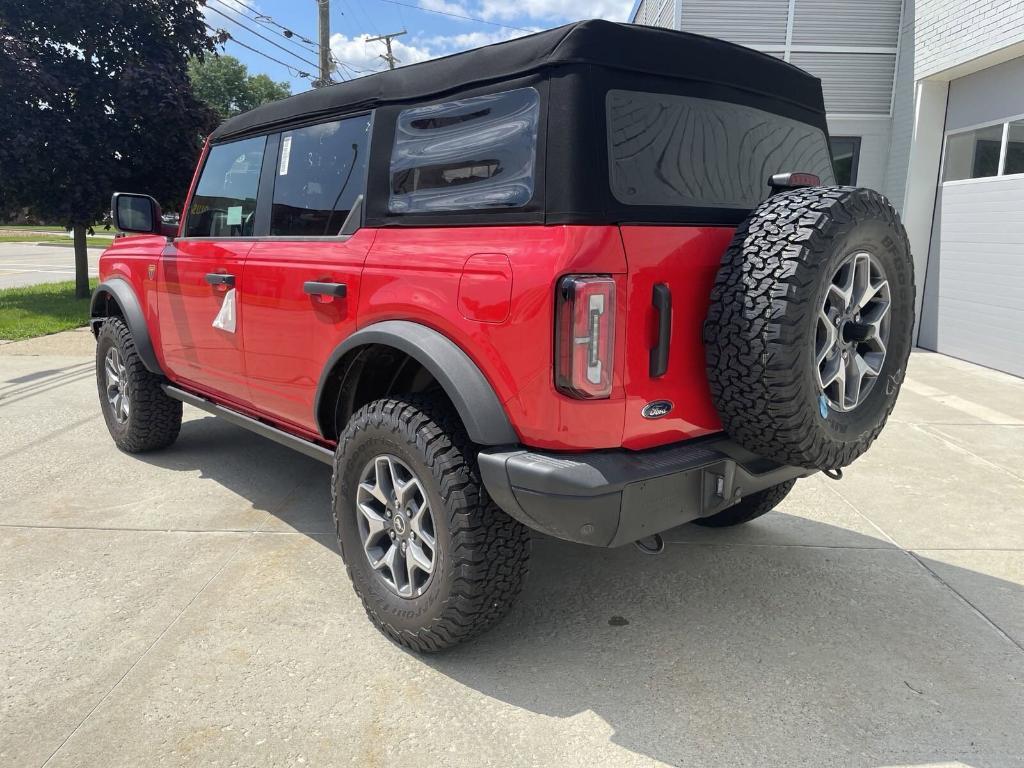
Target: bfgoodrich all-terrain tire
x=749, y=507
x=139, y=416
x=433, y=559
x=809, y=326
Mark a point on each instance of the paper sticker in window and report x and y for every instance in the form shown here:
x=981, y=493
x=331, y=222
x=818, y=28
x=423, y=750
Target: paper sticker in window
x=234, y=216
x=286, y=154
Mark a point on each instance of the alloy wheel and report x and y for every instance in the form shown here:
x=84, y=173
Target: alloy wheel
x=396, y=525
x=117, y=384
x=852, y=332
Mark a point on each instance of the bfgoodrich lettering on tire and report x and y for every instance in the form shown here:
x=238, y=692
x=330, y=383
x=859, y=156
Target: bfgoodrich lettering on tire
x=433, y=559
x=810, y=324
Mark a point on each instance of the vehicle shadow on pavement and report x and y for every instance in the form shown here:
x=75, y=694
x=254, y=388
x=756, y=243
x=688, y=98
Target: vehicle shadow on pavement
x=783, y=642
x=294, y=489
x=738, y=654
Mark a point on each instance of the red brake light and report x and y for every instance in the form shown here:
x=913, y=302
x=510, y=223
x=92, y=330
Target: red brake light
x=585, y=336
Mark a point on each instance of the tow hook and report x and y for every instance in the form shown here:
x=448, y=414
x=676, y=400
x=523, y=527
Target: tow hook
x=833, y=474
x=651, y=545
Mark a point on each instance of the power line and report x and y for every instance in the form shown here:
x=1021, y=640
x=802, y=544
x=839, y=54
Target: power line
x=289, y=67
x=264, y=19
x=456, y=15
x=261, y=36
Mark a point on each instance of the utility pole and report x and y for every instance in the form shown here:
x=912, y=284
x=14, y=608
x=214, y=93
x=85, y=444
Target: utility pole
x=386, y=39
x=324, y=12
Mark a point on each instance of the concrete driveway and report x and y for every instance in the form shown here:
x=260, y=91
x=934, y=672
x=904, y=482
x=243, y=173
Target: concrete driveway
x=32, y=263
x=190, y=608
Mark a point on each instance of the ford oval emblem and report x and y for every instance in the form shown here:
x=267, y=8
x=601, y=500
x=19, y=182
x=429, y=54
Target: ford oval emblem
x=656, y=409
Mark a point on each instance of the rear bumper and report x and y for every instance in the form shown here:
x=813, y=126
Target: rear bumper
x=609, y=498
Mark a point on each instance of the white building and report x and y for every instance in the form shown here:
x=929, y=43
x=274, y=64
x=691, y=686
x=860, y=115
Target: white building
x=925, y=103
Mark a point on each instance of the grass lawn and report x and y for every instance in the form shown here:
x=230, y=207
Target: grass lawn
x=91, y=242
x=36, y=310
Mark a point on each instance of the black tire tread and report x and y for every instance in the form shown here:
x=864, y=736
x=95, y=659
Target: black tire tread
x=155, y=419
x=490, y=550
x=761, y=296
x=749, y=507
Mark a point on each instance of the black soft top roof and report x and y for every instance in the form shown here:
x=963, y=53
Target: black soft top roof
x=625, y=47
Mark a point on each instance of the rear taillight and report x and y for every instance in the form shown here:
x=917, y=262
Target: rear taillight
x=585, y=336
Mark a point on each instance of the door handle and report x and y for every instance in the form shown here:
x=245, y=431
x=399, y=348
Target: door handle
x=314, y=288
x=220, y=278
x=662, y=301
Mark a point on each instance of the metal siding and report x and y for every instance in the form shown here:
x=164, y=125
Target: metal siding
x=667, y=16
x=853, y=83
x=974, y=295
x=847, y=23
x=757, y=23
x=996, y=93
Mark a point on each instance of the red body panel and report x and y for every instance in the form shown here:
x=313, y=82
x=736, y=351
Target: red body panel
x=193, y=350
x=490, y=290
x=414, y=274
x=288, y=335
x=686, y=259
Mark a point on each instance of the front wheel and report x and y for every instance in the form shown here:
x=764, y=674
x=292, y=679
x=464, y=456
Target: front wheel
x=139, y=416
x=433, y=559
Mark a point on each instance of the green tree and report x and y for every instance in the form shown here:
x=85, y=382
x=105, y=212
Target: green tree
x=225, y=84
x=96, y=98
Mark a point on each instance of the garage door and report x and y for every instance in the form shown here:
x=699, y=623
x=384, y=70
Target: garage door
x=974, y=288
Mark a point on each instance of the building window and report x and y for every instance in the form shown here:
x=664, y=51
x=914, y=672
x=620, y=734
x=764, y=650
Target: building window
x=1014, y=162
x=845, y=159
x=978, y=153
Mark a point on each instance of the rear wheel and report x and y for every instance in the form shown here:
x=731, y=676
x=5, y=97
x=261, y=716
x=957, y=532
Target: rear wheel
x=139, y=416
x=749, y=507
x=433, y=559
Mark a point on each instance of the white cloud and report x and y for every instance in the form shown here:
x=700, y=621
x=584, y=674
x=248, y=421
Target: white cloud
x=445, y=7
x=556, y=10
x=468, y=40
x=364, y=55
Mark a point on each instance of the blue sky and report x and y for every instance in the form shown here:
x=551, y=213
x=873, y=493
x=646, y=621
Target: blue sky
x=430, y=34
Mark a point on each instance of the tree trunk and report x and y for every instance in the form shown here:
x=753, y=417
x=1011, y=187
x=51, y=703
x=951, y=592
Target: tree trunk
x=81, y=262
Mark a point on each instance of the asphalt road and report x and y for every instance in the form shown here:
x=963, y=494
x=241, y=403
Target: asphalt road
x=31, y=263
x=189, y=608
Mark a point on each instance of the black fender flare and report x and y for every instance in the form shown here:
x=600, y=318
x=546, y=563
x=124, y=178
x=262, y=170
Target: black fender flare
x=122, y=293
x=472, y=395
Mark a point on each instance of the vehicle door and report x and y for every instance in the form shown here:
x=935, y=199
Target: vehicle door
x=200, y=274
x=302, y=280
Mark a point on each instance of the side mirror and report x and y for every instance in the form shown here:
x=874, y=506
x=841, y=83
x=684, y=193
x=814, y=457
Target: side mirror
x=139, y=213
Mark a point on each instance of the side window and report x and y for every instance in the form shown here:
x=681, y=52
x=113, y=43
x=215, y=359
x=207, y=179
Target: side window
x=478, y=152
x=845, y=159
x=680, y=150
x=224, y=204
x=321, y=170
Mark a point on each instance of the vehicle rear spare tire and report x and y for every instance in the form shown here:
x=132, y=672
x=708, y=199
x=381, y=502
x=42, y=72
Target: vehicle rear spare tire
x=809, y=326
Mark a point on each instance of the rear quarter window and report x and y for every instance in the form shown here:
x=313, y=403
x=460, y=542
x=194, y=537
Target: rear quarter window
x=472, y=153
x=670, y=150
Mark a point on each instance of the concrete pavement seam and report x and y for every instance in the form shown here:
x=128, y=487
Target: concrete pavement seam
x=913, y=556
x=923, y=428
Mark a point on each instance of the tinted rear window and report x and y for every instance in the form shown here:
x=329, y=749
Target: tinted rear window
x=472, y=153
x=683, y=151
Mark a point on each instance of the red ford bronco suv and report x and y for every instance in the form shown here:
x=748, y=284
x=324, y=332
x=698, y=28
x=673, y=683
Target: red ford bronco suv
x=594, y=282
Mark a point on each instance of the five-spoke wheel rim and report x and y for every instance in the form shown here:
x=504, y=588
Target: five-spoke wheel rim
x=117, y=385
x=852, y=332
x=396, y=525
